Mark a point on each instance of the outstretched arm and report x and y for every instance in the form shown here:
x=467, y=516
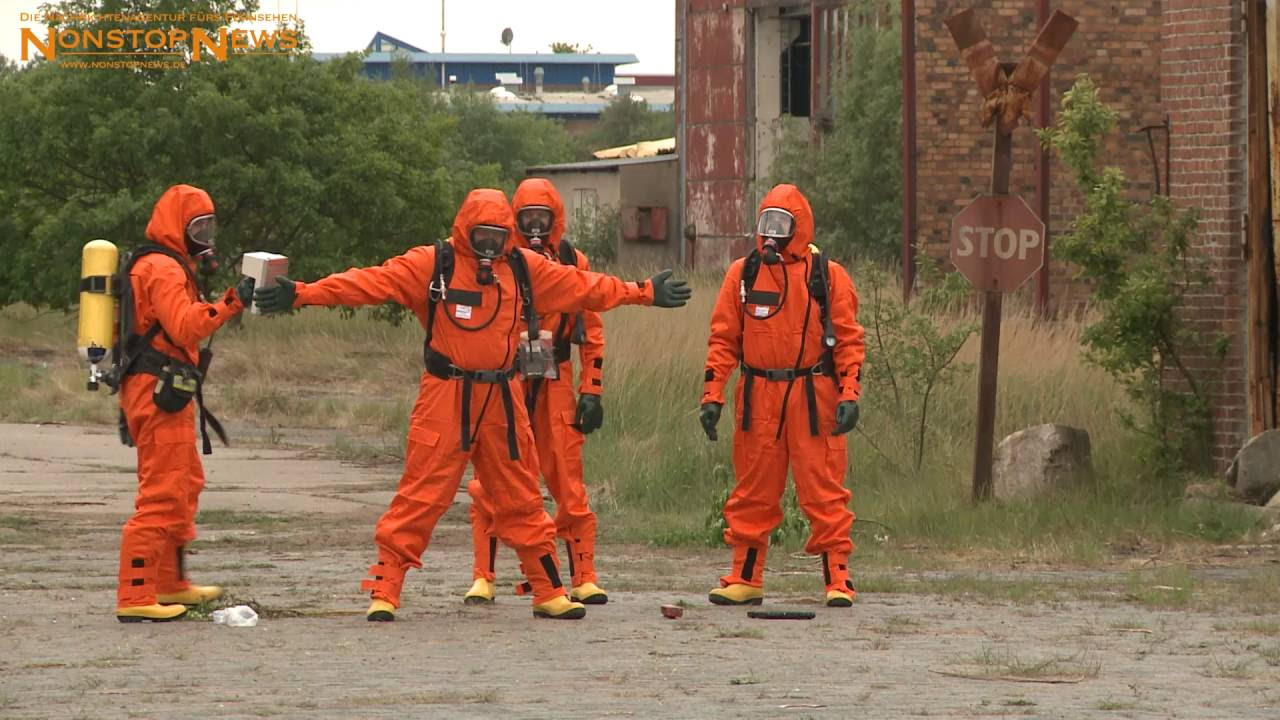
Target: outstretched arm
x=403, y=279
x=565, y=289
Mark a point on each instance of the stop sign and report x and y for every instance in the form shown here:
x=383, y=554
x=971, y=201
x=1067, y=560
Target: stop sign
x=997, y=242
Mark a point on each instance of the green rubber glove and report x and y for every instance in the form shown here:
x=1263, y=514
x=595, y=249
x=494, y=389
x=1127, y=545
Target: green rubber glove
x=709, y=416
x=276, y=299
x=244, y=291
x=668, y=293
x=846, y=417
x=590, y=414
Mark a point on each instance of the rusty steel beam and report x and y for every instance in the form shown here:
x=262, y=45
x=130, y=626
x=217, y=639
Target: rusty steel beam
x=976, y=50
x=1043, y=52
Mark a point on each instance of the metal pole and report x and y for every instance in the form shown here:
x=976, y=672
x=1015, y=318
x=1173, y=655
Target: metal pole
x=444, y=81
x=908, y=148
x=989, y=359
x=1044, y=178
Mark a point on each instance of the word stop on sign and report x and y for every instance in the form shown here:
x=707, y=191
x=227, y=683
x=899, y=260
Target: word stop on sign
x=1003, y=243
x=997, y=242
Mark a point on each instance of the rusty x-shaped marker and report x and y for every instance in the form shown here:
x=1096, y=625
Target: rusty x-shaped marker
x=1007, y=88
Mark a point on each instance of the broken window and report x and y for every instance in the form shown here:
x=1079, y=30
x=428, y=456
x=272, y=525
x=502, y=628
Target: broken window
x=796, y=65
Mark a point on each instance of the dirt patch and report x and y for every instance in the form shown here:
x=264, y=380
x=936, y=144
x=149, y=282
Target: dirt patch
x=290, y=538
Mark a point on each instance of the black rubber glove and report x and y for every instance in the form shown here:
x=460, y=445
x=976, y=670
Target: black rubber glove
x=276, y=299
x=709, y=416
x=590, y=414
x=244, y=291
x=846, y=417
x=668, y=293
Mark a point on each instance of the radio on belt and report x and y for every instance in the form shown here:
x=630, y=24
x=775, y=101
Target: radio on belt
x=264, y=268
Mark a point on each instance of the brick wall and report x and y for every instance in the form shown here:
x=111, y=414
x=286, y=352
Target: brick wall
x=1150, y=57
x=1118, y=44
x=1203, y=83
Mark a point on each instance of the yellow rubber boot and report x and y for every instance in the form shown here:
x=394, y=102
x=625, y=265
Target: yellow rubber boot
x=380, y=611
x=482, y=592
x=560, y=608
x=150, y=613
x=588, y=593
x=193, y=595
x=736, y=594
x=835, y=598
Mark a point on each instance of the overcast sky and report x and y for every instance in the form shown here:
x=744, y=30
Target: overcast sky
x=645, y=28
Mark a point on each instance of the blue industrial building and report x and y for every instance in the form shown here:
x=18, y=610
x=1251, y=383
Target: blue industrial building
x=561, y=72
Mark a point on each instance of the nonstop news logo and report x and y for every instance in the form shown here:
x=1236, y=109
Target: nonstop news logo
x=178, y=37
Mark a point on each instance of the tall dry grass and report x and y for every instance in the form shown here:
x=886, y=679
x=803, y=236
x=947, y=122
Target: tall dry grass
x=653, y=475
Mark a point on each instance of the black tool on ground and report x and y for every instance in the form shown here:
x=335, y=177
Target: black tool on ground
x=781, y=614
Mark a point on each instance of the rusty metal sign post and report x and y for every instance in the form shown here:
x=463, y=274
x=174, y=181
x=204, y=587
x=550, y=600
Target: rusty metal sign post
x=997, y=242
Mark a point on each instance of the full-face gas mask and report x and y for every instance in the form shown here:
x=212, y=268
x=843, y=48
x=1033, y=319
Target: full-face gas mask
x=200, y=241
x=487, y=242
x=776, y=227
x=534, y=222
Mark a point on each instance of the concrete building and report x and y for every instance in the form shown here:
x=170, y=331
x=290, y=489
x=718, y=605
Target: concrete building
x=642, y=191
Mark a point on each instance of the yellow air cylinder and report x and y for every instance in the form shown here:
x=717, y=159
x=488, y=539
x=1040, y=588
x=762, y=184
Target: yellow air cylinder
x=98, y=263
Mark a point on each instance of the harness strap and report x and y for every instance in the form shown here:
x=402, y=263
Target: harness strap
x=442, y=367
x=789, y=376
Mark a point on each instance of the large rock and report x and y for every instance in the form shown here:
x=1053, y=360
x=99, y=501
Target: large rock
x=1039, y=459
x=1255, y=473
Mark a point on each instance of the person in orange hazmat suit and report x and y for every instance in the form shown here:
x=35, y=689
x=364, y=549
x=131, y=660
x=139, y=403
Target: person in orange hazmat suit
x=471, y=294
x=559, y=420
x=787, y=317
x=163, y=320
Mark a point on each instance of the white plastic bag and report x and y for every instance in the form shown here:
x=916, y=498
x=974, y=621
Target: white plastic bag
x=238, y=616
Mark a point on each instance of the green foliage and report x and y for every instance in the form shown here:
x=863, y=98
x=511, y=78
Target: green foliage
x=506, y=142
x=792, y=532
x=626, y=121
x=564, y=48
x=1139, y=258
x=596, y=231
x=853, y=176
x=913, y=351
x=309, y=159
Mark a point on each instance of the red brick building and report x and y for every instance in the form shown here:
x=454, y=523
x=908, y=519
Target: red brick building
x=740, y=62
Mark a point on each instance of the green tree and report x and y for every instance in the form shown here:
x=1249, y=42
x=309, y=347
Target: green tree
x=853, y=174
x=304, y=158
x=505, y=142
x=625, y=121
x=564, y=48
x=310, y=159
x=1139, y=258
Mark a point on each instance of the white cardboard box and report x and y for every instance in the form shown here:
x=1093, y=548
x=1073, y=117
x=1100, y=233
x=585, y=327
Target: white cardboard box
x=264, y=268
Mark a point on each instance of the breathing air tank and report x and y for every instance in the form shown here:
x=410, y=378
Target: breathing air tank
x=98, y=263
